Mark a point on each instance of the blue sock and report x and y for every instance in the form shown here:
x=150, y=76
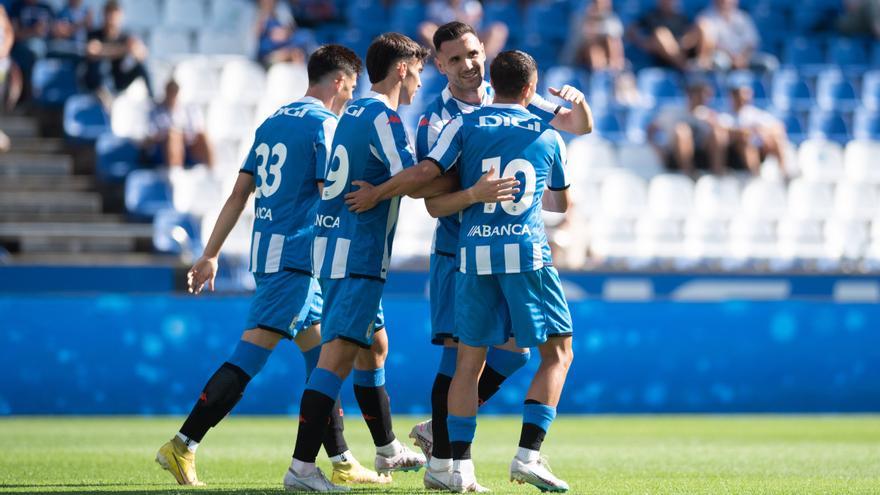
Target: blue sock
x=447, y=361
x=461, y=435
x=325, y=382
x=250, y=358
x=369, y=378
x=506, y=362
x=311, y=358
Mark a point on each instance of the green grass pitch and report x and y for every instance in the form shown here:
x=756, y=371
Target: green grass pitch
x=796, y=455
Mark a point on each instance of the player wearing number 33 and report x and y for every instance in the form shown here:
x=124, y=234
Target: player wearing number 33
x=506, y=279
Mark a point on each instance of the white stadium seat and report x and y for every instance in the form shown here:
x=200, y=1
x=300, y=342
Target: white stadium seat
x=286, y=82
x=169, y=43
x=622, y=195
x=415, y=232
x=821, y=160
x=586, y=198
x=763, y=199
x=670, y=196
x=139, y=14
x=716, y=197
x=659, y=238
x=856, y=200
x=190, y=14
x=753, y=238
x=846, y=239
x=219, y=41
x=590, y=158
x=614, y=239
x=237, y=15
x=229, y=120
x=242, y=80
x=198, y=80
x=801, y=238
x=238, y=243
x=130, y=117
x=640, y=159
x=861, y=161
x=706, y=238
x=809, y=200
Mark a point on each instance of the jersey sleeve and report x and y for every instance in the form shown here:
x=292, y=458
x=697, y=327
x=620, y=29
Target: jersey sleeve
x=250, y=161
x=557, y=179
x=391, y=143
x=447, y=149
x=428, y=131
x=544, y=109
x=323, y=143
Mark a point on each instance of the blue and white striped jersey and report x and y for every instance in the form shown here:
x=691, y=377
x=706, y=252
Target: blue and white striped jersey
x=288, y=156
x=506, y=237
x=370, y=145
x=437, y=114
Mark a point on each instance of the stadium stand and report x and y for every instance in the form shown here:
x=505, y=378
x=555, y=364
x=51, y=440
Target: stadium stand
x=88, y=189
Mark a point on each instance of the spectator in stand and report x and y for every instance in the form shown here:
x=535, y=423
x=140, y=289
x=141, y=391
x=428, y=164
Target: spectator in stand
x=280, y=40
x=177, y=133
x=112, y=51
x=730, y=36
x=10, y=75
x=691, y=137
x=596, y=39
x=314, y=13
x=31, y=22
x=71, y=28
x=755, y=134
x=860, y=18
x=470, y=12
x=668, y=36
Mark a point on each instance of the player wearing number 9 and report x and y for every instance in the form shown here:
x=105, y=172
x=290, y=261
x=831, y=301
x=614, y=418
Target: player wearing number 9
x=506, y=277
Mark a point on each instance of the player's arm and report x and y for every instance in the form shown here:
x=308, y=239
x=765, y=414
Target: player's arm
x=575, y=120
x=205, y=268
x=556, y=197
x=489, y=189
x=556, y=201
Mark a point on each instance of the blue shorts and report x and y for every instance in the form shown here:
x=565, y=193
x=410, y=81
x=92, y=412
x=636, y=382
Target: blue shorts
x=352, y=310
x=282, y=302
x=529, y=306
x=316, y=307
x=442, y=294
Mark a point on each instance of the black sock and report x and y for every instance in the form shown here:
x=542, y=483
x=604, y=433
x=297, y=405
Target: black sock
x=376, y=407
x=314, y=416
x=439, y=411
x=461, y=450
x=334, y=440
x=222, y=392
x=490, y=382
x=531, y=436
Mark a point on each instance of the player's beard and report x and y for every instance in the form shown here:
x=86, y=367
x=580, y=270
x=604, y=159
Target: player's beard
x=470, y=80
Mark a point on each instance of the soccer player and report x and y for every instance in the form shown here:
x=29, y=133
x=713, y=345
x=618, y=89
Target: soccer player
x=507, y=282
x=460, y=56
x=350, y=257
x=284, y=168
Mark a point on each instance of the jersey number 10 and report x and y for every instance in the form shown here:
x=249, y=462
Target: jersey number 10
x=527, y=186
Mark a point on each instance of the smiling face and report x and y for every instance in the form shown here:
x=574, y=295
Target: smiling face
x=463, y=61
x=412, y=80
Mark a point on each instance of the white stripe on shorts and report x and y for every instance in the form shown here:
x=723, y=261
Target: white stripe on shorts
x=255, y=251
x=537, y=256
x=340, y=258
x=319, y=249
x=273, y=255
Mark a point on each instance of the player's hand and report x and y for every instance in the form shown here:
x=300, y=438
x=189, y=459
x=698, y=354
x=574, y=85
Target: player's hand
x=363, y=199
x=569, y=94
x=492, y=189
x=201, y=274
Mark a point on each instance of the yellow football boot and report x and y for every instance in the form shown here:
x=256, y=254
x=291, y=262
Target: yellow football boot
x=350, y=471
x=175, y=458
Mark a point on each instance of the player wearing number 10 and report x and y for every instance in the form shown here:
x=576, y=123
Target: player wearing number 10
x=283, y=169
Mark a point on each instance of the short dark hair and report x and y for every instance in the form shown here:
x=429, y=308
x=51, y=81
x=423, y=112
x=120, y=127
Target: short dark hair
x=111, y=6
x=386, y=50
x=331, y=58
x=451, y=31
x=510, y=72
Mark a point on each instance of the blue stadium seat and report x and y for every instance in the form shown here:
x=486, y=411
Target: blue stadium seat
x=794, y=124
x=548, y=19
x=406, y=15
x=834, y=92
x=53, y=81
x=560, y=75
x=851, y=54
x=116, y=157
x=507, y=12
x=84, y=118
x=828, y=125
x=866, y=124
x=871, y=90
x=759, y=88
x=790, y=91
x=660, y=85
x=607, y=124
x=601, y=89
x=146, y=193
x=805, y=53
x=371, y=17
x=176, y=233
x=637, y=122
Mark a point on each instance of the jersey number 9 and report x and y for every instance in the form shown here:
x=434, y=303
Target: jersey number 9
x=338, y=178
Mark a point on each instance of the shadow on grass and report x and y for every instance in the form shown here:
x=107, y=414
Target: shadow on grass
x=120, y=489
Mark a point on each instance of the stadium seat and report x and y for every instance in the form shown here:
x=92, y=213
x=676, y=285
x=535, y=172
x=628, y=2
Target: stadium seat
x=287, y=82
x=860, y=161
x=187, y=14
x=808, y=200
x=590, y=158
x=176, y=233
x=834, y=92
x=801, y=239
x=660, y=86
x=760, y=96
x=406, y=15
x=856, y=201
x=236, y=15
x=115, y=157
x=753, y=239
x=790, y=91
x=243, y=81
x=140, y=14
x=586, y=199
x=230, y=120
x=794, y=125
x=169, y=43
x=716, y=197
x=614, y=240
x=871, y=90
x=84, y=118
x=222, y=41
x=805, y=53
x=637, y=122
x=670, y=196
x=607, y=124
x=146, y=193
x=821, y=160
x=828, y=125
x=706, y=239
x=368, y=16
x=659, y=238
x=849, y=53
x=238, y=243
x=545, y=18
x=560, y=75
x=763, y=199
x=415, y=229
x=866, y=124
x=623, y=195
x=601, y=89
x=846, y=239
x=130, y=117
x=53, y=81
x=195, y=190
x=198, y=80
x=640, y=159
